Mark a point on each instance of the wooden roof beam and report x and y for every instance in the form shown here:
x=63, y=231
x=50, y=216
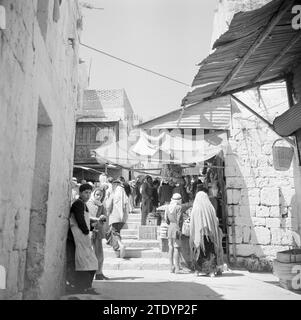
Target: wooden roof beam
x=285, y=6
x=275, y=60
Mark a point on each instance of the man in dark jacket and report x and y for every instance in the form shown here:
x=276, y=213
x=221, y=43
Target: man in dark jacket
x=165, y=192
x=146, y=193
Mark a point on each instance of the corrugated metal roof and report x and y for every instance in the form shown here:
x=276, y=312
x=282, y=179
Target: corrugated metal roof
x=207, y=115
x=260, y=46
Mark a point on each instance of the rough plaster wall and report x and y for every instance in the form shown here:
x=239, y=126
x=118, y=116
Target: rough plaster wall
x=30, y=72
x=261, y=201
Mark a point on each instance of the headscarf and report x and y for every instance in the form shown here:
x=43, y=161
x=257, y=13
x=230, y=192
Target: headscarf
x=204, y=222
x=93, y=204
x=174, y=202
x=102, y=190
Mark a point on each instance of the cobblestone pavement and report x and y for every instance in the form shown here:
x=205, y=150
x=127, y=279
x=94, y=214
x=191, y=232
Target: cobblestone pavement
x=162, y=285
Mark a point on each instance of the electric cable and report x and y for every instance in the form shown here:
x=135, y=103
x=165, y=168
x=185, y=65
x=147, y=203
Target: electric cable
x=134, y=65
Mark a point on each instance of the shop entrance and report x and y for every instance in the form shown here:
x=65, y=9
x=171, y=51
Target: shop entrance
x=214, y=180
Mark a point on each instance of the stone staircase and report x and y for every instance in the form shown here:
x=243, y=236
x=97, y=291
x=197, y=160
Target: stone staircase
x=140, y=254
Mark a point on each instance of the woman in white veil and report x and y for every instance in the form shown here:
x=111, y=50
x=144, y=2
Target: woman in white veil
x=205, y=236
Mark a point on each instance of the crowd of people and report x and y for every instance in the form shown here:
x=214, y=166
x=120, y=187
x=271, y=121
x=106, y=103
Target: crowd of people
x=99, y=211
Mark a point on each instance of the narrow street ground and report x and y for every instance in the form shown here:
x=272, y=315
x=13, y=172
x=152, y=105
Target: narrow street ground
x=162, y=285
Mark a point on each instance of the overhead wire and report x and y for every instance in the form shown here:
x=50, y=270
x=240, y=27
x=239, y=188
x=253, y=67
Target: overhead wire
x=135, y=65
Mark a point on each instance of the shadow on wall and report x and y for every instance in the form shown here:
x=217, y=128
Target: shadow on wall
x=245, y=231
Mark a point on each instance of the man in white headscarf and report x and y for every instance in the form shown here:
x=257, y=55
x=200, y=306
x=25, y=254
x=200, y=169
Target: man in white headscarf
x=174, y=218
x=205, y=236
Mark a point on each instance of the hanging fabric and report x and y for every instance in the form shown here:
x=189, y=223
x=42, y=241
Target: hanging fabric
x=145, y=148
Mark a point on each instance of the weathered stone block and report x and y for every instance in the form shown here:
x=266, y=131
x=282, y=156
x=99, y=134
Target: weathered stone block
x=270, y=196
x=273, y=222
x=246, y=211
x=250, y=196
x=235, y=182
x=250, y=182
x=262, y=211
x=237, y=233
x=281, y=236
x=260, y=235
x=258, y=221
x=230, y=210
x=230, y=171
x=246, y=231
x=276, y=236
x=242, y=221
x=286, y=195
x=261, y=182
x=290, y=223
x=245, y=250
x=230, y=196
x=235, y=196
x=271, y=251
x=274, y=211
x=287, y=238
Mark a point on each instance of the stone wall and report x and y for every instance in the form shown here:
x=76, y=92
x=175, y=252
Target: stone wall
x=38, y=97
x=262, y=202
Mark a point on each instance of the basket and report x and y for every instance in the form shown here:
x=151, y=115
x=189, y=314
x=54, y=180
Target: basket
x=282, y=156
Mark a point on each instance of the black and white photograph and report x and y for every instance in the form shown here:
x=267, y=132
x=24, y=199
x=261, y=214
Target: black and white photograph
x=150, y=153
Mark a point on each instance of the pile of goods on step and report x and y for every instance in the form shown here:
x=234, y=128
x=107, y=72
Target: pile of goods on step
x=287, y=267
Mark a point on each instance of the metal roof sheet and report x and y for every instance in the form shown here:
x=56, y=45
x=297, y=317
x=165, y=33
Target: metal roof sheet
x=260, y=46
x=207, y=115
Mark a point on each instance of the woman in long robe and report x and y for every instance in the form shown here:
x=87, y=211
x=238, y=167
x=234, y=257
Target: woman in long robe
x=97, y=215
x=205, y=237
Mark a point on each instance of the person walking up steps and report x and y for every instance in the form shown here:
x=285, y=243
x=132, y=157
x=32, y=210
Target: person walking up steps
x=174, y=218
x=118, y=211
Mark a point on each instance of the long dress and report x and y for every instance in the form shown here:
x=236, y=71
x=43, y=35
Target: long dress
x=205, y=236
x=97, y=233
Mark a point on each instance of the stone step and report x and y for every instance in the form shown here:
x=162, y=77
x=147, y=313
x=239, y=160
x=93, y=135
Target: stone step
x=129, y=232
x=133, y=243
x=131, y=225
x=136, y=264
x=134, y=220
x=146, y=253
x=130, y=237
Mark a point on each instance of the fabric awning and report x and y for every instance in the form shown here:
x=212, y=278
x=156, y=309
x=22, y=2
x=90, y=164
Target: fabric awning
x=147, y=147
x=260, y=46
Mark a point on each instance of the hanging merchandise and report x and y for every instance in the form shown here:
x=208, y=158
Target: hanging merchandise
x=282, y=155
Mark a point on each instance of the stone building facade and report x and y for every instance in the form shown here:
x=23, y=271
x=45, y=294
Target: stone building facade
x=107, y=117
x=262, y=202
x=38, y=99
